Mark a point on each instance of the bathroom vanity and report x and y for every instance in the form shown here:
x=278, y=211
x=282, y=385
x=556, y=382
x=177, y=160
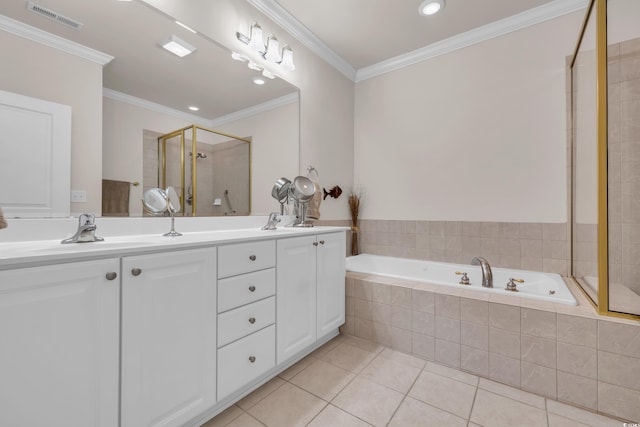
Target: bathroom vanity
x=160, y=331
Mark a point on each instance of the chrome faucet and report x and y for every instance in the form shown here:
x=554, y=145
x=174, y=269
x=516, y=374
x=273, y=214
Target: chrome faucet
x=86, y=230
x=272, y=221
x=487, y=276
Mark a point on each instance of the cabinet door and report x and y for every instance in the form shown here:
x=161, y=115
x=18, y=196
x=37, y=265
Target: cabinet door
x=59, y=335
x=295, y=295
x=168, y=337
x=330, y=282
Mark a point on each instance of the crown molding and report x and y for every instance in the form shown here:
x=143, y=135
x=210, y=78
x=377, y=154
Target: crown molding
x=192, y=118
x=43, y=37
x=256, y=109
x=504, y=26
x=152, y=106
x=289, y=23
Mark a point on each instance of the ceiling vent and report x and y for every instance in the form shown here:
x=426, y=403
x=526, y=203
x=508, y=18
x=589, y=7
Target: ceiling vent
x=50, y=14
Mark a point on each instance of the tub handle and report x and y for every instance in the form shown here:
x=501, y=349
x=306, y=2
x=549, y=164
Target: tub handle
x=511, y=285
x=464, y=280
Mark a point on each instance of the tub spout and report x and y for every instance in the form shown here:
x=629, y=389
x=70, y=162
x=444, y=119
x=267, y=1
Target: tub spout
x=487, y=276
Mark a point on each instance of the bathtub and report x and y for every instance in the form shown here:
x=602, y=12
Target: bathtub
x=538, y=286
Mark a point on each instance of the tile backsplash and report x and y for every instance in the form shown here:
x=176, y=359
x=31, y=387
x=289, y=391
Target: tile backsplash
x=527, y=246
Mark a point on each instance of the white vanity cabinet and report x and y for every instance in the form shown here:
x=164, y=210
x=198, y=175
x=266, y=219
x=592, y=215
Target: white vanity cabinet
x=310, y=290
x=59, y=344
x=246, y=313
x=168, y=337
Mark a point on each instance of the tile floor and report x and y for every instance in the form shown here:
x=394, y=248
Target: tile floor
x=353, y=382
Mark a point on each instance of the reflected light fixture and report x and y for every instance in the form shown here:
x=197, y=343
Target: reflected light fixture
x=430, y=7
x=287, y=59
x=177, y=46
x=258, y=81
x=194, y=108
x=186, y=27
x=253, y=66
x=273, y=50
x=268, y=74
x=238, y=57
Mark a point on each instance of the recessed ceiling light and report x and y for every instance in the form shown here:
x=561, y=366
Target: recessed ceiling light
x=258, y=81
x=177, y=46
x=430, y=7
x=186, y=27
x=194, y=108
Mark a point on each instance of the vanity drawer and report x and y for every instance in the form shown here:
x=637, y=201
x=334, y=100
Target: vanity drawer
x=245, y=257
x=242, y=361
x=245, y=320
x=240, y=290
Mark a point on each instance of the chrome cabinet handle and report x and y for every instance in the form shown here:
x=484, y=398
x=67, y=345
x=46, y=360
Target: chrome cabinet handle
x=252, y=359
x=252, y=288
x=112, y=275
x=322, y=242
x=252, y=320
x=315, y=243
x=136, y=271
x=252, y=257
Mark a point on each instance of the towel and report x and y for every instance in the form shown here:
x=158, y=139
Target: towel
x=3, y=222
x=313, y=211
x=115, y=198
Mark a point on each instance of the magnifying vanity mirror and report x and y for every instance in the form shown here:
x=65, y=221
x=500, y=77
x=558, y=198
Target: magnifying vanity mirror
x=157, y=201
x=139, y=106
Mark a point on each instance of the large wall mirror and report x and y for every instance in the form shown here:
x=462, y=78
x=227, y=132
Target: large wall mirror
x=606, y=157
x=148, y=92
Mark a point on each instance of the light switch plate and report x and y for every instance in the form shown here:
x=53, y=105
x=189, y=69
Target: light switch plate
x=78, y=196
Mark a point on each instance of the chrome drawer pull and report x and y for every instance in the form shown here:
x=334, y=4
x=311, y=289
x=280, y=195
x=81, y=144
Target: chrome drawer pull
x=136, y=271
x=252, y=320
x=252, y=257
x=252, y=359
x=112, y=275
x=322, y=242
x=315, y=243
x=252, y=288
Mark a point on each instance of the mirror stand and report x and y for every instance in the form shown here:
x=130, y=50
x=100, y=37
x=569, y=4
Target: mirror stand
x=172, y=232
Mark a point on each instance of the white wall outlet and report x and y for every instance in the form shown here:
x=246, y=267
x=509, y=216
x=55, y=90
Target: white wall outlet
x=217, y=202
x=78, y=196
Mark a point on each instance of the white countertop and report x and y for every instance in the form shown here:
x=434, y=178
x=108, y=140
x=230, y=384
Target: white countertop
x=41, y=252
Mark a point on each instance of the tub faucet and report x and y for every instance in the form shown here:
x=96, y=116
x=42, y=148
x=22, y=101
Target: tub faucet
x=272, y=221
x=487, y=276
x=86, y=230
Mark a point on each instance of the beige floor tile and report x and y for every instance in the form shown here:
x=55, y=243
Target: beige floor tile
x=260, y=393
x=580, y=415
x=325, y=348
x=295, y=369
x=444, y=393
x=224, y=417
x=296, y=407
x=391, y=374
x=362, y=344
x=403, y=358
x=245, y=420
x=559, y=421
x=454, y=374
x=413, y=413
x=334, y=417
x=348, y=357
x=497, y=411
x=368, y=401
x=323, y=379
x=512, y=393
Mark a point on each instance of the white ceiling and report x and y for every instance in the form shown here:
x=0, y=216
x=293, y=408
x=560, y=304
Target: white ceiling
x=356, y=36
x=365, y=32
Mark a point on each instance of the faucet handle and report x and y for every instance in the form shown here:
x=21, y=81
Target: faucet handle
x=464, y=280
x=511, y=285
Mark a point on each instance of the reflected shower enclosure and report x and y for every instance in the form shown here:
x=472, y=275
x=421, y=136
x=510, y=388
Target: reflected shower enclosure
x=210, y=170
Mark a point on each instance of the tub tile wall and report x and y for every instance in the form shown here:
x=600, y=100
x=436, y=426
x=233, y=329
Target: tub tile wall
x=528, y=246
x=569, y=354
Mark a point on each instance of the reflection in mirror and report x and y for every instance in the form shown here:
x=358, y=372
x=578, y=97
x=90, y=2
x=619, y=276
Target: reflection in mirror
x=211, y=169
x=148, y=90
x=623, y=147
x=584, y=153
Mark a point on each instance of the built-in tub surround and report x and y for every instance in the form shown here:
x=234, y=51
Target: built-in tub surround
x=529, y=284
x=566, y=353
